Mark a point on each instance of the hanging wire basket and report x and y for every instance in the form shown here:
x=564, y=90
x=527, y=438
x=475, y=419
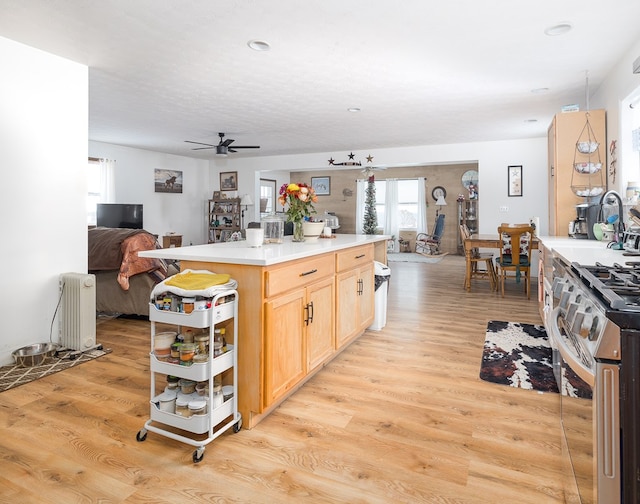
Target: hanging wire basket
x=586, y=176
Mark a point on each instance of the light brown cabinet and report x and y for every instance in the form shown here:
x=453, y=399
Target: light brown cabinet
x=299, y=333
x=354, y=293
x=563, y=134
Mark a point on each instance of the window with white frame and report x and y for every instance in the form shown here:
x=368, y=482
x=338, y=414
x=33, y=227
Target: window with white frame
x=407, y=203
x=94, y=190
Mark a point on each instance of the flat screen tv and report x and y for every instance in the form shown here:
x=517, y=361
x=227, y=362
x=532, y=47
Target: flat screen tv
x=116, y=215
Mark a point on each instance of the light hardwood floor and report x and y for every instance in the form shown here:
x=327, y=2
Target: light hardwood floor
x=399, y=417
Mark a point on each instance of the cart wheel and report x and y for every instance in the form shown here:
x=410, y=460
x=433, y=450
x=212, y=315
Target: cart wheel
x=238, y=425
x=141, y=436
x=198, y=455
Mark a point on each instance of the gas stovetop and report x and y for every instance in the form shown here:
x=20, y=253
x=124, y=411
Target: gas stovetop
x=617, y=287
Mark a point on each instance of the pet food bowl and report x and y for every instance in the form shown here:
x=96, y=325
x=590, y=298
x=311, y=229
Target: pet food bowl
x=33, y=355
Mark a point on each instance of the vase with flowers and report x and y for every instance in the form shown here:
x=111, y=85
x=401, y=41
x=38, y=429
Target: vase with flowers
x=300, y=198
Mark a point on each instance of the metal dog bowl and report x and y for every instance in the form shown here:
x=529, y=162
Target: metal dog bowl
x=33, y=355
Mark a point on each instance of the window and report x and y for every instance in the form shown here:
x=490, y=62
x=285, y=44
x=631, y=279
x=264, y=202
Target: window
x=407, y=203
x=100, y=185
x=94, y=190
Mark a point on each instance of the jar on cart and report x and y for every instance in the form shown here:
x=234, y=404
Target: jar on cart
x=202, y=344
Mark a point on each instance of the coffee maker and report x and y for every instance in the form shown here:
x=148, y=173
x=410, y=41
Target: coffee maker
x=579, y=228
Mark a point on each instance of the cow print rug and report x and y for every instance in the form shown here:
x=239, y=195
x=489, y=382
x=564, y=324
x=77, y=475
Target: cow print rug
x=518, y=355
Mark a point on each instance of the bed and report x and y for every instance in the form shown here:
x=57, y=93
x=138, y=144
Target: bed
x=124, y=281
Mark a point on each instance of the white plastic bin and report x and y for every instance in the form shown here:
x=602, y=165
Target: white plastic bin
x=382, y=274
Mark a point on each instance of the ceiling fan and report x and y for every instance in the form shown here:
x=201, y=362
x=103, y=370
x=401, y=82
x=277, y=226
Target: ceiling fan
x=223, y=147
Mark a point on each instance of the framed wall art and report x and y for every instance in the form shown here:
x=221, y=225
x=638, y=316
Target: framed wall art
x=321, y=185
x=229, y=181
x=167, y=181
x=514, y=180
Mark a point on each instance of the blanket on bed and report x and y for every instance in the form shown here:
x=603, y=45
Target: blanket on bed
x=117, y=249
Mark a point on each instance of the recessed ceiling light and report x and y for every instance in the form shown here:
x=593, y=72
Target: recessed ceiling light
x=531, y=120
x=558, y=29
x=259, y=45
x=353, y=109
x=540, y=90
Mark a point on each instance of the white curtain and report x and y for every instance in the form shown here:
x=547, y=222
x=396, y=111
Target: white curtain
x=361, y=186
x=421, y=225
x=392, y=224
x=107, y=181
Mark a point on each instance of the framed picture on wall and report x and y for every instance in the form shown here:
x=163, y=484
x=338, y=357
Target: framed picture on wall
x=229, y=181
x=321, y=185
x=514, y=180
x=167, y=181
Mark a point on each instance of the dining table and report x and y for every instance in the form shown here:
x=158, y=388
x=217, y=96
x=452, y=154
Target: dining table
x=476, y=241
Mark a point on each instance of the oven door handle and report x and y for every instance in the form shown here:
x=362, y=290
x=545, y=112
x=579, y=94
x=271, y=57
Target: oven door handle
x=556, y=327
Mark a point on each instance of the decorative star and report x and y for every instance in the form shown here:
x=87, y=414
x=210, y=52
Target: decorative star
x=369, y=158
x=351, y=156
x=331, y=161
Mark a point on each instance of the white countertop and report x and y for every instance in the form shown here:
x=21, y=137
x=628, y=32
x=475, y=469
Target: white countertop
x=240, y=253
x=585, y=252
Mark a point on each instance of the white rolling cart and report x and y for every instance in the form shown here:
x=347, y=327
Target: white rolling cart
x=217, y=420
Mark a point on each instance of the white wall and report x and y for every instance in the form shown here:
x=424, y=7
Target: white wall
x=43, y=157
x=493, y=159
x=620, y=84
x=183, y=213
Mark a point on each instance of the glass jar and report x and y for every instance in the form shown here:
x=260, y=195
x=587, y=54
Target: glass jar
x=202, y=344
x=188, y=304
x=273, y=226
x=187, y=351
x=218, y=398
x=187, y=386
x=182, y=407
x=217, y=342
x=197, y=408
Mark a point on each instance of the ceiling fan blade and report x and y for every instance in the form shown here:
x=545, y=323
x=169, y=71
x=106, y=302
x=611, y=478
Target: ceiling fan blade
x=246, y=146
x=230, y=149
x=227, y=142
x=204, y=148
x=199, y=143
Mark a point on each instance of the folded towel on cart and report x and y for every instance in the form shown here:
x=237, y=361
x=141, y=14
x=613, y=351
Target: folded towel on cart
x=195, y=283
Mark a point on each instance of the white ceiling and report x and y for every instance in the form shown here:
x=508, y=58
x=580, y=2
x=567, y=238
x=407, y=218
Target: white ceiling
x=422, y=72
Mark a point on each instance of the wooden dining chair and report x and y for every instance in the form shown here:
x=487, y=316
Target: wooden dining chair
x=515, y=254
x=476, y=257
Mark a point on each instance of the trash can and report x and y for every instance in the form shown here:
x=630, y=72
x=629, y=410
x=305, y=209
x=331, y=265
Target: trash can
x=382, y=274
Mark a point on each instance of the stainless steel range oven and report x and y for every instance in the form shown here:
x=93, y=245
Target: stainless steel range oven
x=594, y=331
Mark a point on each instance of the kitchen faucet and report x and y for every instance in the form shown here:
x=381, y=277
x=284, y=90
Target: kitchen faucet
x=619, y=235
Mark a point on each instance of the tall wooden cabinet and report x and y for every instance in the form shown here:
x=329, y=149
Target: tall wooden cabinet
x=563, y=134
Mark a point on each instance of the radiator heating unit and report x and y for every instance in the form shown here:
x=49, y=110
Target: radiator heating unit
x=77, y=311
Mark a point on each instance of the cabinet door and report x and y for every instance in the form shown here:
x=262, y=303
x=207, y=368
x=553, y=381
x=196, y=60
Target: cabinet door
x=347, y=308
x=320, y=329
x=284, y=357
x=366, y=297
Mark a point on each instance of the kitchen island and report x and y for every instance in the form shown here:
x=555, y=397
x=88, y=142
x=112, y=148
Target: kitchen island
x=300, y=304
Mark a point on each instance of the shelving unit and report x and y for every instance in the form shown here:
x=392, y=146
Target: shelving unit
x=467, y=215
x=216, y=420
x=223, y=217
